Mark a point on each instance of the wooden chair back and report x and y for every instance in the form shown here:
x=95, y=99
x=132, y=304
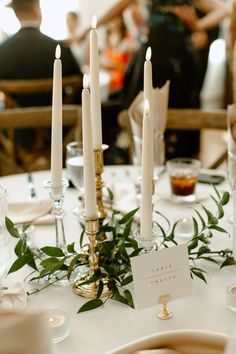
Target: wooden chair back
x=185, y=119
x=33, y=117
x=71, y=86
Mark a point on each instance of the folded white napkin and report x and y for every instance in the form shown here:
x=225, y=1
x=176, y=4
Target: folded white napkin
x=178, y=341
x=160, y=110
x=24, y=333
x=157, y=351
x=34, y=212
x=12, y=295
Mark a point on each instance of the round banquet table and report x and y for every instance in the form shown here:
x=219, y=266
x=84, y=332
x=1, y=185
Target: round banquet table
x=99, y=331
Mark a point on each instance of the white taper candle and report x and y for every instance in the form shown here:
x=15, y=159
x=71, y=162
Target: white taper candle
x=88, y=155
x=95, y=87
x=146, y=176
x=56, y=132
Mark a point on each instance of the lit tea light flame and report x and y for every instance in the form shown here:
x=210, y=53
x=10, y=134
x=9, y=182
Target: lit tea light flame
x=148, y=54
x=94, y=22
x=85, y=81
x=146, y=107
x=58, y=52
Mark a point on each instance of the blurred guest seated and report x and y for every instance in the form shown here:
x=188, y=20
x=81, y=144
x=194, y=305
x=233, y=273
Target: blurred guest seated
x=29, y=54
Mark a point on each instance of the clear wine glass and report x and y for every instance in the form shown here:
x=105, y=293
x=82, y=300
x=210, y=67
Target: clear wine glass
x=75, y=171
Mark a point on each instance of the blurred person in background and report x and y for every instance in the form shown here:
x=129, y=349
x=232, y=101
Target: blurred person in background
x=30, y=54
x=171, y=24
x=79, y=50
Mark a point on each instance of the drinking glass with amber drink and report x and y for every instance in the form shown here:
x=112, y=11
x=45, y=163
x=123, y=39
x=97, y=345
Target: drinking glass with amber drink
x=183, y=173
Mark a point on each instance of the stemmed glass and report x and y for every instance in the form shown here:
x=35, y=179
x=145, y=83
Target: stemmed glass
x=74, y=166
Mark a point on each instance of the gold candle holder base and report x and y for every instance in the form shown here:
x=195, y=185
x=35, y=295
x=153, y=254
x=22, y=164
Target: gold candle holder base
x=99, y=164
x=90, y=290
x=164, y=313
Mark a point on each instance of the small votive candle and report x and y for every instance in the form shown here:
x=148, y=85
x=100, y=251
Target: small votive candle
x=184, y=228
x=58, y=321
x=231, y=297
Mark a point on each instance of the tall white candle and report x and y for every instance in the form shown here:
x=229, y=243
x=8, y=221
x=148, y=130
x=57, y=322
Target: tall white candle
x=95, y=87
x=88, y=155
x=146, y=176
x=56, y=133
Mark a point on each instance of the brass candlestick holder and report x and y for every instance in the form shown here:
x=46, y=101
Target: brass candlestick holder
x=80, y=287
x=99, y=164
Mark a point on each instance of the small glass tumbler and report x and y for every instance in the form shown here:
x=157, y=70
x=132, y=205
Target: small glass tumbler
x=183, y=173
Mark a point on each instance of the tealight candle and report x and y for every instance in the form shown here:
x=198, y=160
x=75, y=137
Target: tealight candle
x=58, y=322
x=231, y=297
x=184, y=228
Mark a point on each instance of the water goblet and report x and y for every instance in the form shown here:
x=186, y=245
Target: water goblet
x=74, y=166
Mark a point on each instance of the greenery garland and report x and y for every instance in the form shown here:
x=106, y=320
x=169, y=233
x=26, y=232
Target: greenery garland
x=116, y=246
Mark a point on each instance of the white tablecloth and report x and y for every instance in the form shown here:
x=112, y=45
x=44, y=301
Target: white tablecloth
x=106, y=328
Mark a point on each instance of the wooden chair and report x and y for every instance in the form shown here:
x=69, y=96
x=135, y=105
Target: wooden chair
x=71, y=86
x=37, y=90
x=186, y=119
x=33, y=117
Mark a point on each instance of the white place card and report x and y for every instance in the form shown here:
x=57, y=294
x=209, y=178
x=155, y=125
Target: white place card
x=164, y=272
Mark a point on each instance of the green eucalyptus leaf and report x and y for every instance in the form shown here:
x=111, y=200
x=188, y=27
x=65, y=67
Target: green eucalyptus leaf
x=225, y=198
x=129, y=297
x=118, y=297
x=216, y=191
x=11, y=228
x=201, y=219
x=128, y=216
x=127, y=229
x=91, y=305
x=193, y=244
x=53, y=251
x=136, y=252
x=20, y=262
x=100, y=289
x=228, y=262
x=209, y=259
x=72, y=265
x=217, y=228
x=210, y=217
x=195, y=226
x=110, y=194
x=127, y=280
x=198, y=273
x=71, y=248
x=49, y=262
x=81, y=239
x=20, y=247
